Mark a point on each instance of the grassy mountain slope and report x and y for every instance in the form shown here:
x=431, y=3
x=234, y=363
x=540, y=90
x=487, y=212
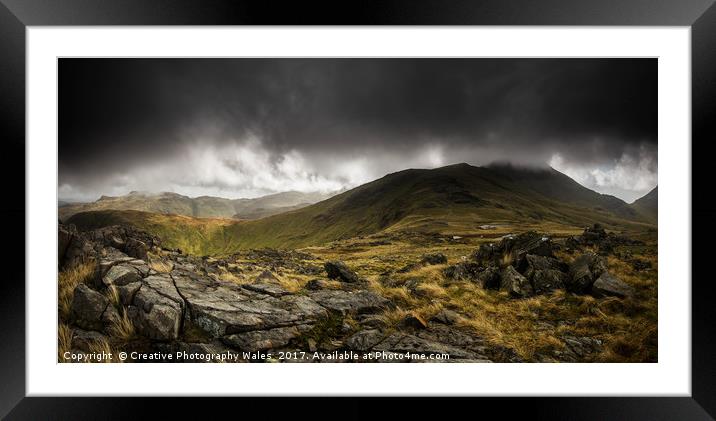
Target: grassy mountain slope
x=200, y=207
x=455, y=198
x=648, y=205
x=199, y=236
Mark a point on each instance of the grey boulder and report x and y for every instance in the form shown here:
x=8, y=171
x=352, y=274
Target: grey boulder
x=515, y=284
x=260, y=340
x=121, y=275
x=88, y=306
x=610, y=286
x=583, y=271
x=338, y=270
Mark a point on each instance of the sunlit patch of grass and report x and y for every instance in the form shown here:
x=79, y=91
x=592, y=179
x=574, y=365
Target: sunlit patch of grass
x=431, y=290
x=429, y=310
x=508, y=323
x=67, y=281
x=64, y=341
x=293, y=283
x=160, y=265
x=112, y=294
x=228, y=276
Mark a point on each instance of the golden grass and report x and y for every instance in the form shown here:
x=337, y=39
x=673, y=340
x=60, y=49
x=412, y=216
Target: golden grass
x=67, y=282
x=160, y=265
x=122, y=328
x=228, y=276
x=112, y=294
x=102, y=347
x=531, y=327
x=64, y=341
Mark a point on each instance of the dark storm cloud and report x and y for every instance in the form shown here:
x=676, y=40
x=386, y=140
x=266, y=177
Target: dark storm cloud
x=303, y=117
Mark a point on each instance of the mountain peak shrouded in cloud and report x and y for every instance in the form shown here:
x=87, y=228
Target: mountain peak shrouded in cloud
x=245, y=128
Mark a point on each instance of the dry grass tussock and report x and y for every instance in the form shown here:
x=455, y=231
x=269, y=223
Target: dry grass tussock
x=67, y=281
x=64, y=341
x=122, y=328
x=160, y=265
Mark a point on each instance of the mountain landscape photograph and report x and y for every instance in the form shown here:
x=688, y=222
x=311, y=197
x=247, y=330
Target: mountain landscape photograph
x=357, y=210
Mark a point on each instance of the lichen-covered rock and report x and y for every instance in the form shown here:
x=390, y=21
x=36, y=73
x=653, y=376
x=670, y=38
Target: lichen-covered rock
x=224, y=308
x=157, y=309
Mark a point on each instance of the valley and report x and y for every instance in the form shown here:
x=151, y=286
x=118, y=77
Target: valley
x=484, y=264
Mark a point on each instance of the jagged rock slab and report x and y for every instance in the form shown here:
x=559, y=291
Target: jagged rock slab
x=157, y=309
x=348, y=302
x=121, y=274
x=127, y=292
x=401, y=342
x=516, y=284
x=224, y=308
x=269, y=289
x=88, y=306
x=260, y=340
x=83, y=340
x=364, y=340
x=608, y=285
x=583, y=271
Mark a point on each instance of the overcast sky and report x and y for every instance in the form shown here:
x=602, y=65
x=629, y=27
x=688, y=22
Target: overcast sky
x=250, y=127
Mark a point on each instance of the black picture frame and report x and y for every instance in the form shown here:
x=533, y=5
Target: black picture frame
x=15, y=15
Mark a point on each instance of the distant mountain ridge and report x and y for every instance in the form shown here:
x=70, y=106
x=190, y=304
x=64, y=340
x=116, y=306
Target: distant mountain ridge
x=648, y=205
x=199, y=207
x=455, y=197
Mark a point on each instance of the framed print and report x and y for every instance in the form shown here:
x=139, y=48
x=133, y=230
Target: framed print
x=410, y=200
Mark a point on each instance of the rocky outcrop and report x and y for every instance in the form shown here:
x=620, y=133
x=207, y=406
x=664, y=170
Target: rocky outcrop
x=434, y=259
x=583, y=271
x=512, y=248
x=515, y=284
x=597, y=237
x=88, y=306
x=544, y=273
x=73, y=247
x=121, y=274
x=525, y=264
x=190, y=307
x=463, y=271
